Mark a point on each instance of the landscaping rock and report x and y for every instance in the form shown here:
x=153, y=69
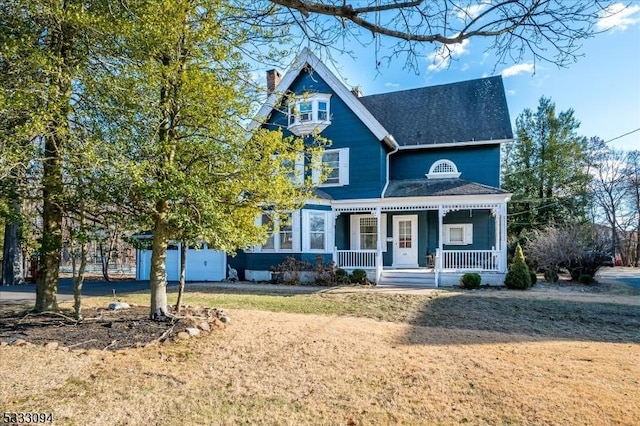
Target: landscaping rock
x=51, y=346
x=114, y=306
x=20, y=342
x=225, y=319
x=183, y=335
x=193, y=331
x=204, y=326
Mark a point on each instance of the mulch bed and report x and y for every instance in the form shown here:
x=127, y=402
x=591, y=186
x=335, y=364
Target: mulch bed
x=100, y=329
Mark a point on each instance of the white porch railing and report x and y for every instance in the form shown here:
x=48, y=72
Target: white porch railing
x=446, y=260
x=477, y=260
x=356, y=259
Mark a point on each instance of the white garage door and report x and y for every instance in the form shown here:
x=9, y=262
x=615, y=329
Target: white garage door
x=202, y=264
x=206, y=265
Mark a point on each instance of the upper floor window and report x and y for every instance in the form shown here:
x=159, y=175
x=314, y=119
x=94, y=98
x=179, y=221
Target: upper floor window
x=309, y=113
x=335, y=165
x=443, y=169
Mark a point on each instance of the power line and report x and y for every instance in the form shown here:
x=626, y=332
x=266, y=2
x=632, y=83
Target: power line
x=537, y=166
x=622, y=136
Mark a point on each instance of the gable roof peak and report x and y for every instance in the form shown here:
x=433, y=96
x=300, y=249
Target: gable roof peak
x=307, y=57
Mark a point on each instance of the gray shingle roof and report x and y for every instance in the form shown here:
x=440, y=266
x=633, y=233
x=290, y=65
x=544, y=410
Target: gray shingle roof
x=437, y=187
x=474, y=110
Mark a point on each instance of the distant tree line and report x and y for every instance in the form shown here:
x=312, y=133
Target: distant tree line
x=560, y=178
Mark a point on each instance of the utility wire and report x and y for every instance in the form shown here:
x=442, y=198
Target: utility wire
x=533, y=168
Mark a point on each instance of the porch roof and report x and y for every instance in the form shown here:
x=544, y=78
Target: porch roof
x=437, y=187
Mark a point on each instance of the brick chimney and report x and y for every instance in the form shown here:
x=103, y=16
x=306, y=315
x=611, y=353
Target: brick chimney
x=273, y=78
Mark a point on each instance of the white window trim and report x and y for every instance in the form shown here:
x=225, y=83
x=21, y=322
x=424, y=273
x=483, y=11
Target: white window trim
x=343, y=166
x=295, y=231
x=328, y=231
x=355, y=230
x=298, y=168
x=300, y=127
x=442, y=175
x=467, y=234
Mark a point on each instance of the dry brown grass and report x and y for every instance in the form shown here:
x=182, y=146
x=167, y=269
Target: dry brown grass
x=495, y=358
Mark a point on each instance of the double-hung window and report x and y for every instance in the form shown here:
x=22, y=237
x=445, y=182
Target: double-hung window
x=317, y=231
x=334, y=166
x=364, y=232
x=281, y=232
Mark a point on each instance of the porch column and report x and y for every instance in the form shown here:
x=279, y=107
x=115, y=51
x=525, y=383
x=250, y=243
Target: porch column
x=335, y=232
x=497, y=223
x=379, y=261
x=503, y=235
x=439, y=253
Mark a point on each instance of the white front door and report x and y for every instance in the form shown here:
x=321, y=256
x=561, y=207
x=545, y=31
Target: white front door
x=405, y=241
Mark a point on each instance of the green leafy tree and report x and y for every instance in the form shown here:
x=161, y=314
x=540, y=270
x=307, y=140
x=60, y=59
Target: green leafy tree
x=175, y=102
x=546, y=169
x=49, y=43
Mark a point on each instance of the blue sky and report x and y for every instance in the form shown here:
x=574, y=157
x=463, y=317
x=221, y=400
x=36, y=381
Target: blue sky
x=603, y=86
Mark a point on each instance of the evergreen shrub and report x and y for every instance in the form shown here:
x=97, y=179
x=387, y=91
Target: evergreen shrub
x=518, y=277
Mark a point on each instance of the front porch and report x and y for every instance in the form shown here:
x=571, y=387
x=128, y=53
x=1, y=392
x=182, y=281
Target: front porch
x=443, y=268
x=428, y=243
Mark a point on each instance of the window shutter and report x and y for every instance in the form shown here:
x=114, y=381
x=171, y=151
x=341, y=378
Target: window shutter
x=354, y=232
x=468, y=233
x=299, y=169
x=295, y=229
x=344, y=166
x=316, y=168
x=383, y=227
x=330, y=226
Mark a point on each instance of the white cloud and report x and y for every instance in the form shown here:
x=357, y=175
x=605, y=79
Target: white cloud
x=441, y=58
x=471, y=12
x=618, y=16
x=517, y=69
x=393, y=85
x=511, y=92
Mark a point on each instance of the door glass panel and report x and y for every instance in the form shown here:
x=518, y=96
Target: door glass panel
x=404, y=234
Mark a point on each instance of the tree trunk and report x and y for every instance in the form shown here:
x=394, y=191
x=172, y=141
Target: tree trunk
x=49, y=262
x=12, y=272
x=158, y=274
x=78, y=281
x=183, y=274
x=56, y=135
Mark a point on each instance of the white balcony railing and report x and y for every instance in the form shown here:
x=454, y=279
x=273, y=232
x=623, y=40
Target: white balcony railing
x=355, y=259
x=476, y=260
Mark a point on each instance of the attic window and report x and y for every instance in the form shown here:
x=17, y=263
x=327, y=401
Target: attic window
x=443, y=169
x=309, y=113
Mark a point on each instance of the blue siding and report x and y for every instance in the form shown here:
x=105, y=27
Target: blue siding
x=476, y=164
x=343, y=232
x=367, y=154
x=266, y=261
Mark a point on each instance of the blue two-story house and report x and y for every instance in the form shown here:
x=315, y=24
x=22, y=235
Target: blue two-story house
x=413, y=194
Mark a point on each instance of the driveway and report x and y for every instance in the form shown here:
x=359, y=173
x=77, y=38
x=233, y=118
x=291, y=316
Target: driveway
x=620, y=275
x=20, y=294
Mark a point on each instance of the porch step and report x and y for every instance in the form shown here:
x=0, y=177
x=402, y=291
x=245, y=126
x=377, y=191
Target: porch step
x=408, y=278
